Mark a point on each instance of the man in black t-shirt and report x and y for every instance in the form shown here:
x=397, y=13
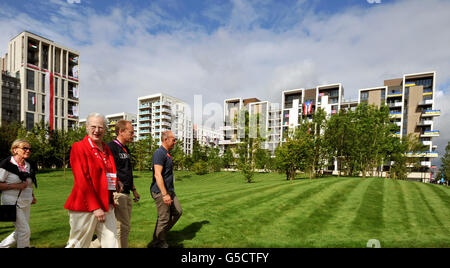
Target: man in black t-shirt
x=163, y=191
x=122, y=200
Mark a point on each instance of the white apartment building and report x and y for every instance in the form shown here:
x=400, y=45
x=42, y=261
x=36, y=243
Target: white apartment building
x=234, y=121
x=207, y=136
x=265, y=122
x=160, y=112
x=49, y=78
x=300, y=103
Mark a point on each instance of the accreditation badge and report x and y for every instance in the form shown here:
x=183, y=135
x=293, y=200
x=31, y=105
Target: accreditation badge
x=112, y=181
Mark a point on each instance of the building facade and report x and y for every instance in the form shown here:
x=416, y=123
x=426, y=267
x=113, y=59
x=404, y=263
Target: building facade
x=10, y=92
x=207, y=136
x=49, y=78
x=265, y=122
x=412, y=108
x=234, y=121
x=410, y=100
x=160, y=112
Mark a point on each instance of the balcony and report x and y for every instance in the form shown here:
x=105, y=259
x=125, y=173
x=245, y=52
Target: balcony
x=146, y=118
x=164, y=116
x=425, y=163
x=395, y=104
x=394, y=94
x=428, y=93
x=144, y=112
x=164, y=110
x=423, y=123
x=422, y=154
x=143, y=106
x=395, y=115
x=427, y=143
x=165, y=123
x=426, y=103
x=434, y=133
x=429, y=113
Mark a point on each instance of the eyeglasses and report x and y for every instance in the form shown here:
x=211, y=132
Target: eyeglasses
x=93, y=128
x=26, y=148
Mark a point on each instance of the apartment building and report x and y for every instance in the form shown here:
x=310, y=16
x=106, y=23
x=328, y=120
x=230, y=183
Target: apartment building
x=114, y=118
x=160, y=112
x=265, y=122
x=49, y=79
x=206, y=136
x=234, y=121
x=412, y=108
x=10, y=92
x=297, y=104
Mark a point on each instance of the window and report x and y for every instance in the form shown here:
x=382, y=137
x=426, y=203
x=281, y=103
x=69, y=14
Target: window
x=31, y=101
x=56, y=106
x=62, y=88
x=43, y=83
x=30, y=79
x=55, y=86
x=30, y=121
x=364, y=96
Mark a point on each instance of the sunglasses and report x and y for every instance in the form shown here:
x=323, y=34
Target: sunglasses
x=26, y=148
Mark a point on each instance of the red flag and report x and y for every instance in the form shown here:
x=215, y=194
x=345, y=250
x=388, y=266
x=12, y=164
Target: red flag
x=49, y=112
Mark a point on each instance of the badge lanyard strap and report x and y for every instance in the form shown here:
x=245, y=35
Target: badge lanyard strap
x=105, y=163
x=120, y=144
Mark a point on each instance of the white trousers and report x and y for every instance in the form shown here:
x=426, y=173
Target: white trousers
x=84, y=224
x=21, y=236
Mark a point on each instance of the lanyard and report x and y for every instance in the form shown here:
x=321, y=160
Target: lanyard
x=21, y=168
x=104, y=156
x=120, y=144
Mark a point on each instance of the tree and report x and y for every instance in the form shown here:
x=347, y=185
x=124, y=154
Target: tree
x=8, y=134
x=228, y=158
x=445, y=166
x=143, y=150
x=215, y=162
x=178, y=156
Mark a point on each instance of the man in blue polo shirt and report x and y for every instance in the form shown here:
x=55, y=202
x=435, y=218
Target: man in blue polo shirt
x=163, y=191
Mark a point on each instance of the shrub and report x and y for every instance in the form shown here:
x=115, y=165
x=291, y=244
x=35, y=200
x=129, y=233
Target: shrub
x=200, y=168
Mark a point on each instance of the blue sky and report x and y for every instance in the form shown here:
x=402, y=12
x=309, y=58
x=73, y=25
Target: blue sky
x=239, y=48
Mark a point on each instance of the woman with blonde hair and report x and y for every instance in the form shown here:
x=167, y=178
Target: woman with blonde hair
x=16, y=183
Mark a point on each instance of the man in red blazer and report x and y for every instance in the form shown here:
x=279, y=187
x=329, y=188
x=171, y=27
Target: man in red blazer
x=91, y=204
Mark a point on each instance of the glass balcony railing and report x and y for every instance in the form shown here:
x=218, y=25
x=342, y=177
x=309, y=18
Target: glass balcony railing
x=431, y=113
x=434, y=133
x=422, y=154
x=394, y=94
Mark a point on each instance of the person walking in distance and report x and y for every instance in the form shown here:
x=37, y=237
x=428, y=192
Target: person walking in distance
x=163, y=191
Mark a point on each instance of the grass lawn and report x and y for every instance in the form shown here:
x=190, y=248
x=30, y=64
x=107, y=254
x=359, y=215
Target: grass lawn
x=222, y=210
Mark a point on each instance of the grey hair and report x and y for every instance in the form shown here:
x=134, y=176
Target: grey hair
x=93, y=115
x=165, y=135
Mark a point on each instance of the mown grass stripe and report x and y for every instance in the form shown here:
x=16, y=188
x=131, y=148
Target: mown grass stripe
x=431, y=211
x=242, y=221
x=396, y=211
x=318, y=220
x=439, y=191
x=369, y=217
x=281, y=220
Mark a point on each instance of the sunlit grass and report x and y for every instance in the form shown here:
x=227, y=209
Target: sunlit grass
x=223, y=210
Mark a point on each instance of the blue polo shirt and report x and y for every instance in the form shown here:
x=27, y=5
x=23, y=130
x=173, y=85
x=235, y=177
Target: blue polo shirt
x=162, y=157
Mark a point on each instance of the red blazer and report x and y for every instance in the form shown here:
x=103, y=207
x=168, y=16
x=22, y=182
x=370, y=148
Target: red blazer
x=90, y=189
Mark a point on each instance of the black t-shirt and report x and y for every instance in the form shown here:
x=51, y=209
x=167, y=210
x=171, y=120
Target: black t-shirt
x=162, y=157
x=122, y=158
